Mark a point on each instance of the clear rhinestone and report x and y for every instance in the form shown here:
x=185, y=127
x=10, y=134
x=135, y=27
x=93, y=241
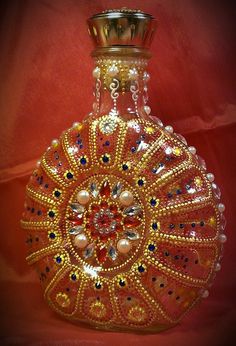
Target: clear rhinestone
x=112, y=252
x=178, y=135
x=133, y=210
x=142, y=145
x=216, y=191
x=201, y=162
x=77, y=208
x=132, y=235
x=88, y=252
x=107, y=126
x=222, y=222
x=116, y=190
x=94, y=190
x=76, y=230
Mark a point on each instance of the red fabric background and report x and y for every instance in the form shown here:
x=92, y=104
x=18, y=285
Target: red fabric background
x=46, y=85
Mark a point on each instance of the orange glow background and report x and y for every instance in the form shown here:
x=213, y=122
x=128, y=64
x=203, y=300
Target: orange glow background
x=46, y=85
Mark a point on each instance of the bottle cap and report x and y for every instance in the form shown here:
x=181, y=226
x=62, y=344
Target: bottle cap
x=122, y=28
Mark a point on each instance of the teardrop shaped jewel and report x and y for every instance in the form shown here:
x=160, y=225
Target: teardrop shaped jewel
x=94, y=190
x=88, y=252
x=216, y=191
x=76, y=230
x=133, y=210
x=116, y=190
x=77, y=208
x=132, y=235
x=112, y=252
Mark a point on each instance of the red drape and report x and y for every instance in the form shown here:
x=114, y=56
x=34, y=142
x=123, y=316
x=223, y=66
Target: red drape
x=46, y=84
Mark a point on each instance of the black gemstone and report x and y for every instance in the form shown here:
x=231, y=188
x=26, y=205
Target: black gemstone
x=141, y=269
x=73, y=277
x=39, y=212
x=52, y=235
x=51, y=213
x=193, y=224
x=57, y=193
x=129, y=298
x=69, y=175
x=172, y=226
x=162, y=285
x=153, y=202
x=151, y=247
x=133, y=149
x=170, y=292
x=181, y=225
x=154, y=226
x=154, y=279
x=178, y=192
x=98, y=285
x=105, y=159
x=83, y=161
x=169, y=195
x=167, y=253
x=58, y=259
x=125, y=167
x=202, y=223
x=122, y=283
x=140, y=182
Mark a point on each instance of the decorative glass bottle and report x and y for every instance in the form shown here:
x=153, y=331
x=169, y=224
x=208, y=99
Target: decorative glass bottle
x=124, y=224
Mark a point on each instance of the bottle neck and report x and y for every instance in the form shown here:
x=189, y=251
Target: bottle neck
x=121, y=86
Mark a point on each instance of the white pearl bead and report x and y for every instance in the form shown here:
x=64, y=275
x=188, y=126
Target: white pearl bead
x=147, y=109
x=222, y=238
x=169, y=128
x=75, y=125
x=123, y=245
x=113, y=71
x=81, y=241
x=205, y=294
x=55, y=142
x=133, y=74
x=192, y=150
x=38, y=163
x=83, y=196
x=221, y=207
x=210, y=177
x=217, y=267
x=126, y=198
x=96, y=72
x=146, y=76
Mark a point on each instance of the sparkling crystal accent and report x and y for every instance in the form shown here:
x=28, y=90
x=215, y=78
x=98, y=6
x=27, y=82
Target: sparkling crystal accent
x=94, y=190
x=201, y=162
x=107, y=126
x=88, y=252
x=183, y=140
x=116, y=190
x=222, y=222
x=216, y=191
x=132, y=235
x=112, y=253
x=133, y=210
x=76, y=230
x=77, y=208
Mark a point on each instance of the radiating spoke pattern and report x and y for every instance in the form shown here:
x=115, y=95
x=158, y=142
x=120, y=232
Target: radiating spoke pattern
x=124, y=227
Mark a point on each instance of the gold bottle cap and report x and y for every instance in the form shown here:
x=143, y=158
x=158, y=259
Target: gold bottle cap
x=114, y=30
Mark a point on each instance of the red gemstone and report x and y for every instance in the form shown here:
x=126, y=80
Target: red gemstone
x=102, y=254
x=76, y=222
x=131, y=222
x=105, y=190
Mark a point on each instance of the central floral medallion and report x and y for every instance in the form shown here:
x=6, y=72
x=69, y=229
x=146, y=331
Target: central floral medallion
x=105, y=222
